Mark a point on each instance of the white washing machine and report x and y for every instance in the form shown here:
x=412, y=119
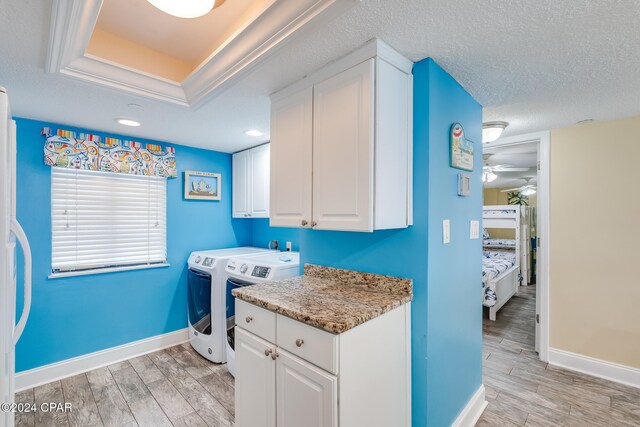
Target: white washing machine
x=206, y=299
x=246, y=271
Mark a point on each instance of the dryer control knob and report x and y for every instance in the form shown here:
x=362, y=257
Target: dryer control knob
x=243, y=268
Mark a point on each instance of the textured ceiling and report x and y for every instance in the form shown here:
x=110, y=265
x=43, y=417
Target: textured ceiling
x=535, y=64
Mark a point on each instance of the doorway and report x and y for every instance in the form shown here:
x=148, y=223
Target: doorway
x=540, y=264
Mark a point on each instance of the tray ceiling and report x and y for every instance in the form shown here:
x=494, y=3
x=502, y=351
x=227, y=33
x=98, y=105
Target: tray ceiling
x=134, y=47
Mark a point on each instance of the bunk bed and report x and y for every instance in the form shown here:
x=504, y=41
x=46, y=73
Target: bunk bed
x=501, y=259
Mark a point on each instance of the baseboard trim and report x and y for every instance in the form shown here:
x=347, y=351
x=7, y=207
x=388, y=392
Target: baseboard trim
x=77, y=365
x=598, y=368
x=473, y=410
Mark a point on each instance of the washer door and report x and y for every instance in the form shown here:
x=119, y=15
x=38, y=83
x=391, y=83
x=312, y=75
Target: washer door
x=231, y=309
x=199, y=294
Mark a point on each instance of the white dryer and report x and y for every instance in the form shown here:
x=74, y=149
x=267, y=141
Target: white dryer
x=246, y=271
x=206, y=299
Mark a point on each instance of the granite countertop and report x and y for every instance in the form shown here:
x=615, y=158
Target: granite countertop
x=328, y=298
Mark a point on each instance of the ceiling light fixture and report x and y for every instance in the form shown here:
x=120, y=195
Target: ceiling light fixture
x=528, y=191
x=128, y=122
x=489, y=176
x=186, y=8
x=254, y=132
x=492, y=131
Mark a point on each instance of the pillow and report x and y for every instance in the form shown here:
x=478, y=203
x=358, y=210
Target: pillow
x=485, y=233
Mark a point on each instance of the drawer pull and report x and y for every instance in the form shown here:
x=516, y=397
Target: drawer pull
x=248, y=319
x=299, y=342
x=268, y=351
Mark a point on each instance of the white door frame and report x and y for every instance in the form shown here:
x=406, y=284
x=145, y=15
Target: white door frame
x=542, y=278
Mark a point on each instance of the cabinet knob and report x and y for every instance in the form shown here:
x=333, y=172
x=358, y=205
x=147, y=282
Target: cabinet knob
x=268, y=351
x=248, y=319
x=313, y=223
x=299, y=342
x=304, y=222
x=274, y=355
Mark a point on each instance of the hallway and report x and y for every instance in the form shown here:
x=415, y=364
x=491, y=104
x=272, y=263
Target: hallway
x=522, y=390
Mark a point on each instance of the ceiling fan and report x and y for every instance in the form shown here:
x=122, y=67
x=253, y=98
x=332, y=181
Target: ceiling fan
x=526, y=190
x=489, y=171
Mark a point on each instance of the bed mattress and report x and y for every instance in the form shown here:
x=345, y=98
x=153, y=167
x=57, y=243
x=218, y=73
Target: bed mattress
x=494, y=263
x=499, y=243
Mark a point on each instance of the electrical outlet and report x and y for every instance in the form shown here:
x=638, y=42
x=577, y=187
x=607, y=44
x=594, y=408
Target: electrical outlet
x=446, y=231
x=288, y=246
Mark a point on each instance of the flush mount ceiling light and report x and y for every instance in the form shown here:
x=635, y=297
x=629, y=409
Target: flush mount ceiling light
x=254, y=132
x=528, y=191
x=128, y=122
x=492, y=131
x=186, y=8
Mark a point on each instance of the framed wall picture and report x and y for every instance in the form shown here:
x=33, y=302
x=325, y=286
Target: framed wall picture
x=461, y=149
x=202, y=185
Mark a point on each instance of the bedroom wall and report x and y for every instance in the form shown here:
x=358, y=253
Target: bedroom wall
x=74, y=316
x=495, y=196
x=594, y=291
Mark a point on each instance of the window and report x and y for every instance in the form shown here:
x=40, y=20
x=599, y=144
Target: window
x=103, y=220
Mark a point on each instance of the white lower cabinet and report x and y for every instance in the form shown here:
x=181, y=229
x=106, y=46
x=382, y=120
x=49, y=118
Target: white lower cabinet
x=256, y=379
x=309, y=377
x=305, y=395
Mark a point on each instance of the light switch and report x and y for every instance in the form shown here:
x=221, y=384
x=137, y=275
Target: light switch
x=474, y=230
x=446, y=231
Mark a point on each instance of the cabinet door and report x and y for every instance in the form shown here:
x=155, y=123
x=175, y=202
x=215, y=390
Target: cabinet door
x=343, y=136
x=240, y=183
x=291, y=142
x=306, y=395
x=255, y=381
x=259, y=181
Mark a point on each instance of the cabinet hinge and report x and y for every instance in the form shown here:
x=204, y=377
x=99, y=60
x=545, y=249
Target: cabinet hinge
x=537, y=318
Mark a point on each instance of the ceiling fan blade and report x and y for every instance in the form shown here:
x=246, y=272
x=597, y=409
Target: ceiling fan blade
x=508, y=169
x=510, y=189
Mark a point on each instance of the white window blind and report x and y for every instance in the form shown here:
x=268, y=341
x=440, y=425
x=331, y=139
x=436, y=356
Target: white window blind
x=103, y=220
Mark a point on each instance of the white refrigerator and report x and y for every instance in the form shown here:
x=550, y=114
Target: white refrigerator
x=11, y=233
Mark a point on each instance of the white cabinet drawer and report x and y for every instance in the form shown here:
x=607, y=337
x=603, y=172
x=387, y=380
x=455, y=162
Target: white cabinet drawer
x=308, y=343
x=256, y=320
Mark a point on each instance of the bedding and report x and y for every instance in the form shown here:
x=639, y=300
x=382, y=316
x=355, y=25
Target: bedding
x=494, y=263
x=499, y=243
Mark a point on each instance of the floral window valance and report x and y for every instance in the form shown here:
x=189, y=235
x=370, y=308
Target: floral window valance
x=76, y=150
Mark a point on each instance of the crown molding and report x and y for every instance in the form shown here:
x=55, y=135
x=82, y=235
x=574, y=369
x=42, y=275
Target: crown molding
x=73, y=21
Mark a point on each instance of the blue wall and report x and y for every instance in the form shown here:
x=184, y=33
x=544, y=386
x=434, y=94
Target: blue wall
x=79, y=315
x=454, y=313
x=446, y=310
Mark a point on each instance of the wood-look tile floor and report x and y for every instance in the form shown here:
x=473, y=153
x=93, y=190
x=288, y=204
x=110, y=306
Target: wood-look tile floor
x=175, y=387
x=522, y=390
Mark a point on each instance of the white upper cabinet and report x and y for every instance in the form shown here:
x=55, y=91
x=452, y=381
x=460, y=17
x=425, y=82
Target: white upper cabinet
x=343, y=150
x=291, y=126
x=250, y=181
x=341, y=145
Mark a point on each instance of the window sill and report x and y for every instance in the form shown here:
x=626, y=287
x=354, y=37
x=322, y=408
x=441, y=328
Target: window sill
x=105, y=270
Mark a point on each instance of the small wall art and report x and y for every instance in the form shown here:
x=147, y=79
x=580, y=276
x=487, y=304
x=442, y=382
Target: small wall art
x=461, y=149
x=202, y=185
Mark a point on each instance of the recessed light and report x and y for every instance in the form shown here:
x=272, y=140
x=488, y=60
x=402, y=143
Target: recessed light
x=585, y=121
x=128, y=122
x=492, y=131
x=134, y=106
x=254, y=132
